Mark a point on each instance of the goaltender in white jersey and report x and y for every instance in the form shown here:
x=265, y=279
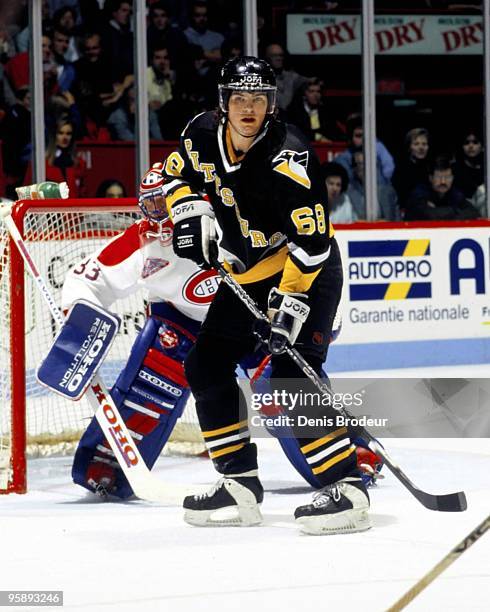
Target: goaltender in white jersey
x=151, y=390
x=142, y=258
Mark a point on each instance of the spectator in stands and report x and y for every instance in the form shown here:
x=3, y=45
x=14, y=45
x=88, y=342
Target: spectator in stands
x=121, y=121
x=469, y=168
x=111, y=188
x=196, y=91
x=413, y=168
x=288, y=81
x=64, y=20
x=93, y=87
x=65, y=69
x=198, y=33
x=117, y=38
x=387, y=207
x=231, y=47
x=17, y=68
x=339, y=204
x=309, y=114
x=23, y=37
x=7, y=95
x=62, y=162
x=7, y=46
x=16, y=136
x=160, y=34
x=440, y=200
x=355, y=132
x=161, y=80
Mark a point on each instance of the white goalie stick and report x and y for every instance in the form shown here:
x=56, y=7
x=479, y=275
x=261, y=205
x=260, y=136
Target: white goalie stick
x=450, y=502
x=144, y=484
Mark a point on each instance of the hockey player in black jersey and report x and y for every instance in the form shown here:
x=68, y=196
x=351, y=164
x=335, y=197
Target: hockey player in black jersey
x=266, y=205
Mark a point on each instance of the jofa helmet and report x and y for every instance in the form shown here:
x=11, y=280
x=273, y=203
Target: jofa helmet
x=247, y=73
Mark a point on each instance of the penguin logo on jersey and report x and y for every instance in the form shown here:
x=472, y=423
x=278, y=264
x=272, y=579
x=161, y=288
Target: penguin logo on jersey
x=293, y=165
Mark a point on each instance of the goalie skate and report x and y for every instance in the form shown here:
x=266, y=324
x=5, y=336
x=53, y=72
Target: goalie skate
x=233, y=501
x=338, y=508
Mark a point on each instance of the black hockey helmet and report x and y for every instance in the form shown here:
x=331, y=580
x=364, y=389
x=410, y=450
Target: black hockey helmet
x=247, y=73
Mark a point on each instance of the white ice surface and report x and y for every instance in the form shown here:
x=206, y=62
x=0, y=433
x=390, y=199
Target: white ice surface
x=139, y=557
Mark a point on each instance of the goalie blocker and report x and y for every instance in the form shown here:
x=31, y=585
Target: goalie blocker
x=78, y=349
x=150, y=393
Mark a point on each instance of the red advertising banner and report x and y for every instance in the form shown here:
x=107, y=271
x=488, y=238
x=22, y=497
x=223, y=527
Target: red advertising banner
x=310, y=34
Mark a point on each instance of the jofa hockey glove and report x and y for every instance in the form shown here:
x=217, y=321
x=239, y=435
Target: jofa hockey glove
x=287, y=313
x=195, y=239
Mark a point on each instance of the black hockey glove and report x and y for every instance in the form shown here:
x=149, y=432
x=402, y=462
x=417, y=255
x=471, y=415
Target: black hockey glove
x=287, y=313
x=195, y=239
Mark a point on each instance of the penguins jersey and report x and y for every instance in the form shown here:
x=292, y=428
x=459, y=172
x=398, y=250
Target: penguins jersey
x=142, y=258
x=270, y=205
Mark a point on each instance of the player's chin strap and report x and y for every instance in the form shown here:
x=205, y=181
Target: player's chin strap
x=451, y=502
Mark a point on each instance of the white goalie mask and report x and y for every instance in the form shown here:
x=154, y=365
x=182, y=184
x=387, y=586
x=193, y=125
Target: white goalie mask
x=152, y=200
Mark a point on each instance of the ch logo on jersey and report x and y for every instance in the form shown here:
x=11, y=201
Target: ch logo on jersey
x=201, y=287
x=293, y=165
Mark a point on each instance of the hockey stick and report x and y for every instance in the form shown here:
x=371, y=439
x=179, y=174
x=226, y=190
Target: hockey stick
x=451, y=502
x=142, y=481
x=443, y=564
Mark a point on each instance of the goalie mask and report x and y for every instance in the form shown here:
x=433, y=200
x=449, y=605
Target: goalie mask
x=152, y=201
x=248, y=74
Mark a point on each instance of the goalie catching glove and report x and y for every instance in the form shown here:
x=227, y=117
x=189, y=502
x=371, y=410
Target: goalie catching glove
x=287, y=313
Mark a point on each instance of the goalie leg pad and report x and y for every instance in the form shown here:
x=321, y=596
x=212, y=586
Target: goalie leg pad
x=150, y=392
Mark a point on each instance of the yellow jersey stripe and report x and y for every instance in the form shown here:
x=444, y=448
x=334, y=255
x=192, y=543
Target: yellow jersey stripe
x=226, y=450
x=328, y=464
x=262, y=270
x=316, y=443
x=416, y=248
x=223, y=430
x=294, y=280
x=397, y=291
x=177, y=194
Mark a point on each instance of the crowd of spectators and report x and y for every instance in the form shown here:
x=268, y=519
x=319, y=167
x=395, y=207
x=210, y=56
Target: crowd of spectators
x=423, y=184
x=89, y=92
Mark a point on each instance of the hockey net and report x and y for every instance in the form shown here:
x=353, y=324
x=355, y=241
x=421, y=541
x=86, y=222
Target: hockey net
x=34, y=421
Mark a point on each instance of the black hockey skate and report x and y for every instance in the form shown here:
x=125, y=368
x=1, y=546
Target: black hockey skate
x=338, y=508
x=233, y=501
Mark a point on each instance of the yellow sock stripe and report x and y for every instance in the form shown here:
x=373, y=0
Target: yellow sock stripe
x=416, y=248
x=328, y=464
x=223, y=430
x=316, y=443
x=397, y=291
x=226, y=450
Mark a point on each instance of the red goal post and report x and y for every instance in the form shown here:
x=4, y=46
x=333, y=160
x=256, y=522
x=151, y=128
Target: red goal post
x=34, y=421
